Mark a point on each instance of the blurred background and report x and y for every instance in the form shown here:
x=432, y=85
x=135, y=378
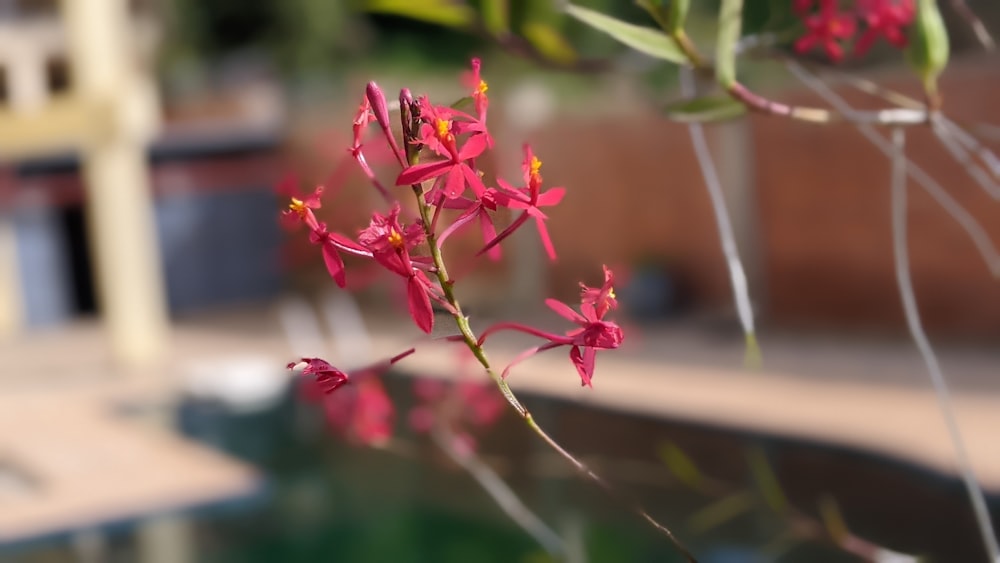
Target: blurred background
x=150, y=298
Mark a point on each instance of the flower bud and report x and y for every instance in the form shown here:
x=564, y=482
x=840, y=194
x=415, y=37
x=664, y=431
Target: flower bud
x=927, y=51
x=377, y=100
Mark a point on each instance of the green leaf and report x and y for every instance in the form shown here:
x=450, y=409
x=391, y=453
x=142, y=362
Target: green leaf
x=766, y=480
x=463, y=103
x=643, y=39
x=441, y=12
x=681, y=465
x=678, y=14
x=496, y=17
x=705, y=109
x=730, y=20
x=829, y=511
x=721, y=511
x=549, y=42
x=655, y=11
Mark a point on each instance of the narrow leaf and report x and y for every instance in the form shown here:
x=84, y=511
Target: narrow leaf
x=730, y=20
x=549, y=42
x=721, y=511
x=643, y=39
x=829, y=511
x=682, y=466
x=441, y=12
x=655, y=11
x=705, y=109
x=766, y=480
x=496, y=17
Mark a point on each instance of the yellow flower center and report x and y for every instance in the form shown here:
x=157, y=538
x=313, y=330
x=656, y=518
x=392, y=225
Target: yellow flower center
x=443, y=128
x=395, y=238
x=611, y=293
x=482, y=87
x=297, y=205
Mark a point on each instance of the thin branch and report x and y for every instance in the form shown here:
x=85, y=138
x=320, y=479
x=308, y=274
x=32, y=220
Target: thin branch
x=973, y=145
x=737, y=276
x=472, y=342
x=973, y=21
x=505, y=498
x=899, y=244
x=961, y=154
x=979, y=237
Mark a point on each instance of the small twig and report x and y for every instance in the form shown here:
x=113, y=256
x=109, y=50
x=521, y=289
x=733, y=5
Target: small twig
x=472, y=342
x=504, y=496
x=899, y=244
x=907, y=115
x=979, y=237
x=737, y=276
x=973, y=21
x=961, y=154
x=987, y=157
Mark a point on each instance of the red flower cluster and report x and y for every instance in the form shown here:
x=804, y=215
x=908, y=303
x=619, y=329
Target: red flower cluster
x=437, y=155
x=830, y=27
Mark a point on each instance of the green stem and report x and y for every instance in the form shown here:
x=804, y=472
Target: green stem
x=472, y=342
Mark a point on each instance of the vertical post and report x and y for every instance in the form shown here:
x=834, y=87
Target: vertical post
x=527, y=109
x=120, y=210
x=11, y=313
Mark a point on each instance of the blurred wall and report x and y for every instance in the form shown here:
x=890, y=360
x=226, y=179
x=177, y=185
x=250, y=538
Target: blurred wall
x=825, y=218
x=821, y=203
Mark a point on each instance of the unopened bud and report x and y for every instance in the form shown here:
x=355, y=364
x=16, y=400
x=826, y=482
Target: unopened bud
x=927, y=49
x=377, y=99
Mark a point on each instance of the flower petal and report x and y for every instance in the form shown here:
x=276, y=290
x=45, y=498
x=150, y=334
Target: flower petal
x=420, y=304
x=565, y=311
x=584, y=363
x=422, y=172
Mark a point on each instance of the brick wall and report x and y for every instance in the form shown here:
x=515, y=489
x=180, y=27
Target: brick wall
x=822, y=206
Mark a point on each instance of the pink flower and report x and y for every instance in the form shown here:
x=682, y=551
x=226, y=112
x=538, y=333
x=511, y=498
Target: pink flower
x=593, y=332
x=474, y=209
x=361, y=409
x=885, y=18
x=479, y=87
x=332, y=245
x=390, y=244
x=300, y=208
x=600, y=300
x=827, y=29
x=326, y=377
x=439, y=132
x=529, y=198
x=301, y=211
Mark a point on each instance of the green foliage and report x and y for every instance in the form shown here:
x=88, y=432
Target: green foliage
x=927, y=50
x=678, y=15
x=705, y=109
x=496, y=17
x=766, y=480
x=643, y=39
x=721, y=511
x=730, y=21
x=682, y=466
x=440, y=12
